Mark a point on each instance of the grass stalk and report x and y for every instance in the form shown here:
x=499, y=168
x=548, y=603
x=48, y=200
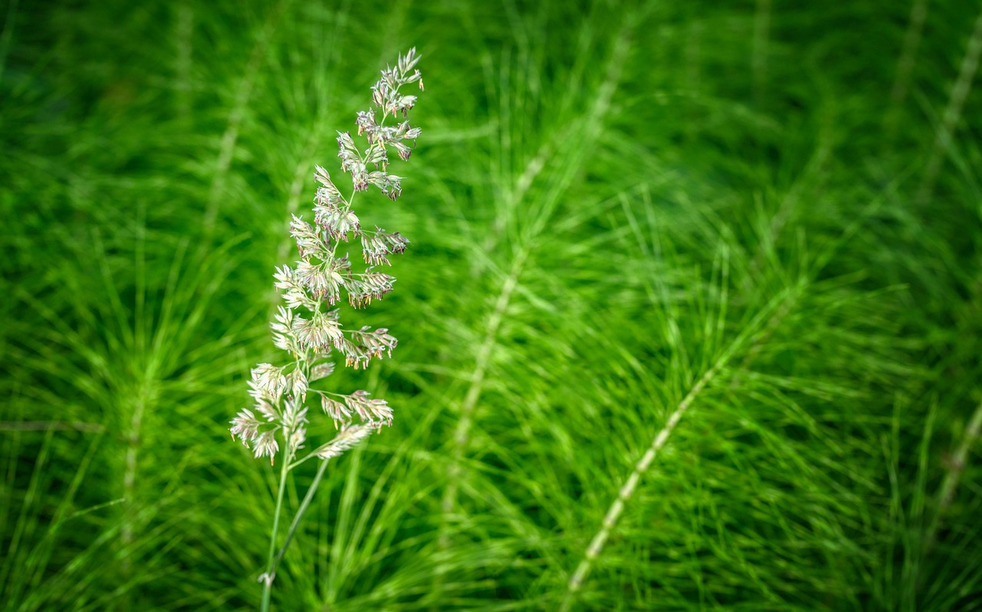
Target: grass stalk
x=944, y=140
x=462, y=431
x=269, y=575
x=301, y=511
x=628, y=487
x=905, y=65
x=626, y=491
x=957, y=465
x=236, y=116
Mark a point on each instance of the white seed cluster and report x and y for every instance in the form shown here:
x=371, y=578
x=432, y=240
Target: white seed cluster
x=308, y=326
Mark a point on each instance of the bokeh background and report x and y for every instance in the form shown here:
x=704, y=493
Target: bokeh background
x=751, y=227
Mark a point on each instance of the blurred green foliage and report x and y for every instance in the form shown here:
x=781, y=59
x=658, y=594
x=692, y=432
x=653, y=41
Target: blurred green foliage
x=610, y=202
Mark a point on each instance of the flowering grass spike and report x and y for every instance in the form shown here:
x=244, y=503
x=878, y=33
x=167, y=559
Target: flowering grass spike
x=308, y=326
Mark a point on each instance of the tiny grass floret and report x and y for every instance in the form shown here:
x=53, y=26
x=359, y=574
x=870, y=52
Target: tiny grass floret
x=308, y=326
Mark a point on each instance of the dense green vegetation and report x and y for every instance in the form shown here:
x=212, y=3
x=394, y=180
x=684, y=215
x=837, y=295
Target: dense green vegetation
x=745, y=237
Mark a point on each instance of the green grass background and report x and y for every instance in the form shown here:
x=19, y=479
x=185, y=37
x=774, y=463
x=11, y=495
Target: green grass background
x=768, y=213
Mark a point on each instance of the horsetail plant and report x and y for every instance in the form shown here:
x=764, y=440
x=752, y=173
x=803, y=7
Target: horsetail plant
x=308, y=326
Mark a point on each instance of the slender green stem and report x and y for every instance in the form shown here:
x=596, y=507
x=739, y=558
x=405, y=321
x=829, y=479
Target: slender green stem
x=300, y=512
x=268, y=576
x=303, y=362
